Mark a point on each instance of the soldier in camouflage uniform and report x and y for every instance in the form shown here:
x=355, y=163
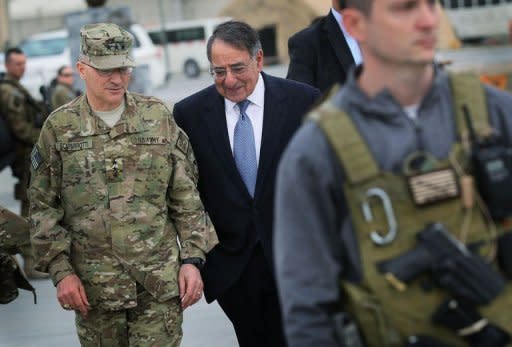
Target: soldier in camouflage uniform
x=62, y=92
x=113, y=187
x=14, y=233
x=24, y=118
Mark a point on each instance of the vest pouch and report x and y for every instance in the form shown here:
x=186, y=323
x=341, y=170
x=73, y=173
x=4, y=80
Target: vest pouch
x=370, y=317
x=463, y=318
x=8, y=287
x=504, y=254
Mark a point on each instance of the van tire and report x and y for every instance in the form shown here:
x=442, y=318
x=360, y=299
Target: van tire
x=191, y=69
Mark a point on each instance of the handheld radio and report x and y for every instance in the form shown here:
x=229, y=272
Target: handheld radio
x=492, y=164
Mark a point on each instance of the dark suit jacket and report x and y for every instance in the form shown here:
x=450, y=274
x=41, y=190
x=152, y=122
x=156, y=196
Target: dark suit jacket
x=319, y=54
x=239, y=220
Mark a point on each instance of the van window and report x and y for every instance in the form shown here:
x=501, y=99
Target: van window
x=189, y=34
x=44, y=47
x=179, y=35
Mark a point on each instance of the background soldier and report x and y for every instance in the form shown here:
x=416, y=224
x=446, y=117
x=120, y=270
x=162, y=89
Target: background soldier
x=62, y=92
x=24, y=117
x=113, y=186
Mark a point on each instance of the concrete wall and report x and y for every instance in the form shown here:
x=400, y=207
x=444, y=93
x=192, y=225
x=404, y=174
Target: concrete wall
x=4, y=23
x=287, y=16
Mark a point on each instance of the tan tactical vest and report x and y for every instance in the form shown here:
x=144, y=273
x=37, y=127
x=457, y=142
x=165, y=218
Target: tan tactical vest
x=385, y=315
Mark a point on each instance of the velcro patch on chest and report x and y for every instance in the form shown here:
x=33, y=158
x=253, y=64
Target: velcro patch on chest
x=149, y=140
x=36, y=159
x=73, y=146
x=434, y=186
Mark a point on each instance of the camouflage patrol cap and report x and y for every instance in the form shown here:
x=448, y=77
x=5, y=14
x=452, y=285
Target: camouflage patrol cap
x=105, y=46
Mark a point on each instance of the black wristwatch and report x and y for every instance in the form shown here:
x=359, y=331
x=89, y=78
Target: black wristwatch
x=197, y=262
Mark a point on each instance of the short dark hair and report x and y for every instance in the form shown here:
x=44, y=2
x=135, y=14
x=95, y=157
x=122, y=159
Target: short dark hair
x=237, y=34
x=59, y=71
x=11, y=51
x=364, y=6
x=342, y=3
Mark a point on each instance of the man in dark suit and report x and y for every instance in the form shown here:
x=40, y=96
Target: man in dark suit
x=322, y=54
x=237, y=175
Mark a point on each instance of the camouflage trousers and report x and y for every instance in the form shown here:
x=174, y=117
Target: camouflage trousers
x=151, y=323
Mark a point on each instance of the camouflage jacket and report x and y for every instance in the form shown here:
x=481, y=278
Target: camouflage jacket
x=24, y=117
x=14, y=231
x=21, y=113
x=109, y=203
x=61, y=95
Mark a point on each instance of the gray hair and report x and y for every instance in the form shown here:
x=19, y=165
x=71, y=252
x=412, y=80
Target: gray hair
x=237, y=34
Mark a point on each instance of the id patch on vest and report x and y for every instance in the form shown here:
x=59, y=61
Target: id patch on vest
x=182, y=143
x=36, y=159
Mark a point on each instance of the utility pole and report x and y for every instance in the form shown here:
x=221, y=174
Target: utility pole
x=4, y=23
x=163, y=40
x=178, y=10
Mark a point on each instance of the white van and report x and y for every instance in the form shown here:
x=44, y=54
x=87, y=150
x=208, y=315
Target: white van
x=186, y=43
x=479, y=19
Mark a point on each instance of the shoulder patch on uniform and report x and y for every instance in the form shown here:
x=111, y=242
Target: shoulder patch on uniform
x=182, y=143
x=16, y=102
x=36, y=159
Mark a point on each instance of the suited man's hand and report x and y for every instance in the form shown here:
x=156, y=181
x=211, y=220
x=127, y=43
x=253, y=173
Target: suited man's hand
x=190, y=284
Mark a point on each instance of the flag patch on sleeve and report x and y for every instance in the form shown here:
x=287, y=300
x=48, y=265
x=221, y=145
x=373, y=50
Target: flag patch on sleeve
x=36, y=158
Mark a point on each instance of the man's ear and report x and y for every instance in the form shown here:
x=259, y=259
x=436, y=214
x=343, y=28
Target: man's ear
x=81, y=70
x=355, y=24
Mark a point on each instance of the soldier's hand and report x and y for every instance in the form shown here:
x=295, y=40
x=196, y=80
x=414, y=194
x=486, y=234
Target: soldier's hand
x=71, y=294
x=190, y=284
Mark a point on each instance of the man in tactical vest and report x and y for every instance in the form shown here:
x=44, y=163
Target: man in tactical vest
x=14, y=233
x=24, y=117
x=389, y=227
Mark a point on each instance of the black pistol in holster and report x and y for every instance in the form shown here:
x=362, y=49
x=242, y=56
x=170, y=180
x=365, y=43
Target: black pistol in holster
x=450, y=263
x=462, y=318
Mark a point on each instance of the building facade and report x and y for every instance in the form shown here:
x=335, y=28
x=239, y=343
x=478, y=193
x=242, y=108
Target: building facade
x=276, y=20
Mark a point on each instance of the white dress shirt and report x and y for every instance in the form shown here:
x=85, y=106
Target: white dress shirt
x=352, y=43
x=254, y=112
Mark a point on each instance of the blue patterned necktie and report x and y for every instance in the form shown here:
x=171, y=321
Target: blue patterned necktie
x=244, y=149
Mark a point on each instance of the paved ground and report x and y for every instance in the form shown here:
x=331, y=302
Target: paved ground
x=23, y=324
